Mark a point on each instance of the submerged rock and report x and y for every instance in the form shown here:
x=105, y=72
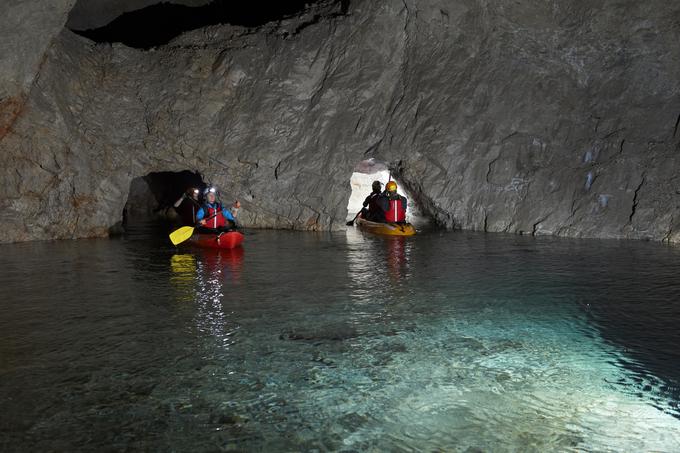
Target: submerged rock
x=529, y=118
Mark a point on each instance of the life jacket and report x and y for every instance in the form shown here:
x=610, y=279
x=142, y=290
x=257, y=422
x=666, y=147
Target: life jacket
x=215, y=222
x=395, y=211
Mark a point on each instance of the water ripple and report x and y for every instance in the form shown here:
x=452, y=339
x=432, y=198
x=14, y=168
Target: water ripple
x=304, y=342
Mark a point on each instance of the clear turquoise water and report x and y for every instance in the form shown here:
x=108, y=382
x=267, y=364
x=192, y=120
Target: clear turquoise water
x=340, y=342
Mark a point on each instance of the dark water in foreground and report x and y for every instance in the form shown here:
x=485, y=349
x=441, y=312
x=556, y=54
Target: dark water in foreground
x=342, y=342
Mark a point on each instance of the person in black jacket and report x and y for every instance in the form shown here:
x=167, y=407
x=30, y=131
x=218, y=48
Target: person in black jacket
x=371, y=210
x=187, y=206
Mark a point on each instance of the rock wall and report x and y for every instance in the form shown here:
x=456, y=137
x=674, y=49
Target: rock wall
x=532, y=117
x=26, y=31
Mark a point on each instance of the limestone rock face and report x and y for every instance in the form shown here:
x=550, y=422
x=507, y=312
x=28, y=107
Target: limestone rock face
x=530, y=117
x=26, y=31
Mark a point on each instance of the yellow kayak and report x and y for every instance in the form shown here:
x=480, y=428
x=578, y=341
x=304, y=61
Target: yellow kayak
x=388, y=229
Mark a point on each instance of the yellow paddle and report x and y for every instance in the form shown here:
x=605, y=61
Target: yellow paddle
x=181, y=234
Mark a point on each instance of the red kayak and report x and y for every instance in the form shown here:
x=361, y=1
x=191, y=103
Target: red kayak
x=228, y=240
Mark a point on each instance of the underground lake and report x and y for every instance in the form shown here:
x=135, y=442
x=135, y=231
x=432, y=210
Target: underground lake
x=340, y=342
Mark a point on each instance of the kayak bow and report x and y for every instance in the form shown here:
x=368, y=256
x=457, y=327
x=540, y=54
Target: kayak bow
x=228, y=240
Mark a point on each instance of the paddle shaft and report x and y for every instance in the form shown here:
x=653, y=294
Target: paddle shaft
x=208, y=218
x=355, y=217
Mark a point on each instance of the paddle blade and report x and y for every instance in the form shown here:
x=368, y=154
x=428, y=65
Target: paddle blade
x=181, y=234
x=351, y=222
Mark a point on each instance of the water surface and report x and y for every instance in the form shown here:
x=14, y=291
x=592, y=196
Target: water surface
x=340, y=342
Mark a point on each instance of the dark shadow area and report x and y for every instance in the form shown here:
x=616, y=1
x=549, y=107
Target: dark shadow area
x=631, y=296
x=628, y=318
x=158, y=24
x=152, y=197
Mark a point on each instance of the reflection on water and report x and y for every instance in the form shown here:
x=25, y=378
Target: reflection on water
x=203, y=278
x=385, y=259
x=343, y=342
x=216, y=267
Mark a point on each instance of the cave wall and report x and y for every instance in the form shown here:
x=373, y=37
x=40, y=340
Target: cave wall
x=532, y=117
x=27, y=29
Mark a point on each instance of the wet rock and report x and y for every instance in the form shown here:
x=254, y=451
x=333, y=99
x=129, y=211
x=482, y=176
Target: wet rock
x=524, y=117
x=353, y=421
x=331, y=333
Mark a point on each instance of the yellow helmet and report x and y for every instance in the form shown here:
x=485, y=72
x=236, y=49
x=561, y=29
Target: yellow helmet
x=391, y=186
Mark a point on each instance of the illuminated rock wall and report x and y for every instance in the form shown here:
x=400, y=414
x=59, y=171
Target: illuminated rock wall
x=530, y=117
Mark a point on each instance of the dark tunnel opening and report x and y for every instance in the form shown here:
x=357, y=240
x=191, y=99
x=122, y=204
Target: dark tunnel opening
x=152, y=197
x=158, y=24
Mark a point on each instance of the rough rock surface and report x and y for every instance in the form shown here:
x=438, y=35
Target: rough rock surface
x=26, y=31
x=533, y=117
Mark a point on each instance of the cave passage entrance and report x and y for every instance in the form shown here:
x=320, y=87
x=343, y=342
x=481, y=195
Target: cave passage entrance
x=152, y=197
x=361, y=181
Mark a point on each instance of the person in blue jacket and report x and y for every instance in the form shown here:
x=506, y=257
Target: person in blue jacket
x=212, y=216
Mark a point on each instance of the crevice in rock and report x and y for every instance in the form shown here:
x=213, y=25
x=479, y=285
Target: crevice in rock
x=614, y=132
x=667, y=236
x=356, y=126
x=677, y=123
x=158, y=24
x=635, y=200
x=597, y=122
x=534, y=227
x=373, y=147
x=490, y=168
x=572, y=213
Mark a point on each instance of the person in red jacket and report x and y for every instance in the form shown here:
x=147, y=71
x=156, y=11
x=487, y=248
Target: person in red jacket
x=392, y=204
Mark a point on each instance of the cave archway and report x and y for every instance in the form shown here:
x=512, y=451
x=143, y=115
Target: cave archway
x=369, y=170
x=152, y=197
